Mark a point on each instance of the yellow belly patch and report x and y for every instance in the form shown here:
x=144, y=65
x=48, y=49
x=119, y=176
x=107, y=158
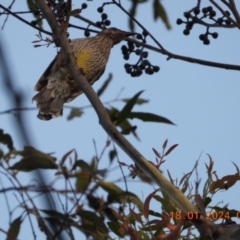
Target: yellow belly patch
x=83, y=60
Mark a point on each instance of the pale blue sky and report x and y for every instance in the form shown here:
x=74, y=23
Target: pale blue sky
x=203, y=102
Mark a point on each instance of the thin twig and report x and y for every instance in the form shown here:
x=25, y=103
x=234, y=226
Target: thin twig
x=224, y=14
x=23, y=20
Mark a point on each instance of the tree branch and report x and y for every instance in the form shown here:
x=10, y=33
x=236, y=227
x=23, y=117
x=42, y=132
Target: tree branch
x=174, y=193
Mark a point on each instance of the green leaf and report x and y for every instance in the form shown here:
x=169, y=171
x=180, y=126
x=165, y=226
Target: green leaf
x=105, y=85
x=6, y=140
x=112, y=154
x=34, y=159
x=93, y=219
x=81, y=164
x=75, y=12
x=133, y=11
x=140, y=101
x=159, y=12
x=14, y=229
x=75, y=112
x=115, y=227
x=110, y=187
x=83, y=179
x=149, y=117
x=127, y=108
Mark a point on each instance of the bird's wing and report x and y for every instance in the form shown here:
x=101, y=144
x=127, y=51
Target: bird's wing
x=43, y=80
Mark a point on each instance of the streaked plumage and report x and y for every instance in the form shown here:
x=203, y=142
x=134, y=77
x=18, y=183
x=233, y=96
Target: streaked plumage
x=56, y=86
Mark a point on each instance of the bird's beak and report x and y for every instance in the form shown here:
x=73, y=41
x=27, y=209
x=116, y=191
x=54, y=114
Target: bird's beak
x=128, y=34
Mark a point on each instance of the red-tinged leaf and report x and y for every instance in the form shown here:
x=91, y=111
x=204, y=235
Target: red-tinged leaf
x=165, y=144
x=123, y=164
x=225, y=183
x=65, y=156
x=136, y=216
x=132, y=233
x=156, y=153
x=146, y=204
x=184, y=177
x=200, y=204
x=170, y=149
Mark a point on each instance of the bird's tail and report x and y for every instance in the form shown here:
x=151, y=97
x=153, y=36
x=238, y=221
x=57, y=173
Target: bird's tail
x=48, y=106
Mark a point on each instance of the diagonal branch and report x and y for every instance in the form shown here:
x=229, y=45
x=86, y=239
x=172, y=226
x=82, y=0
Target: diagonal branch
x=175, y=194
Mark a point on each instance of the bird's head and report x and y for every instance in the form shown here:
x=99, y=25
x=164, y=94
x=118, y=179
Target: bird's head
x=115, y=34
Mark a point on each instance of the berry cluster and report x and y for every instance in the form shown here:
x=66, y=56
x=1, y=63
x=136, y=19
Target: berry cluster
x=192, y=17
x=135, y=70
x=105, y=22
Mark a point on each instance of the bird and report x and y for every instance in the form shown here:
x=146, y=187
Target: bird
x=56, y=86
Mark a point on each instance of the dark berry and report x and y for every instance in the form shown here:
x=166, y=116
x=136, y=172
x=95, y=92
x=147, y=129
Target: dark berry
x=98, y=24
x=139, y=71
x=139, y=36
x=145, y=62
x=156, y=68
x=127, y=65
x=220, y=21
x=213, y=13
x=128, y=70
x=206, y=41
x=100, y=9
x=142, y=66
x=34, y=22
x=130, y=46
x=104, y=16
x=186, y=32
x=196, y=11
x=126, y=57
x=209, y=9
x=87, y=33
x=179, y=21
x=145, y=54
x=228, y=22
x=124, y=48
x=187, y=14
x=133, y=74
x=84, y=5
x=144, y=33
x=150, y=71
x=215, y=35
x=204, y=10
x=227, y=13
x=202, y=37
x=107, y=22
x=138, y=52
